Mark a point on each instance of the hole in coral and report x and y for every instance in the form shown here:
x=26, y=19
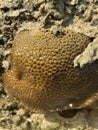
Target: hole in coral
x=68, y=113
x=8, y=46
x=5, y=9
x=92, y=38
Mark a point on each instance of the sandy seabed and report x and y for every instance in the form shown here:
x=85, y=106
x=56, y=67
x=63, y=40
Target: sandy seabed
x=52, y=15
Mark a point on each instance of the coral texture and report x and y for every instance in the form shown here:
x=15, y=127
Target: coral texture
x=42, y=74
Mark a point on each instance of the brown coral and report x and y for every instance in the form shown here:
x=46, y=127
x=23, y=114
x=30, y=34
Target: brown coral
x=42, y=74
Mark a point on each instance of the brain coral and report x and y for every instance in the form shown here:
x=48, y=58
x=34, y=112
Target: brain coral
x=42, y=74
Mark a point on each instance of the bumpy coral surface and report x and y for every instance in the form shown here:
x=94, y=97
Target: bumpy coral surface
x=43, y=76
